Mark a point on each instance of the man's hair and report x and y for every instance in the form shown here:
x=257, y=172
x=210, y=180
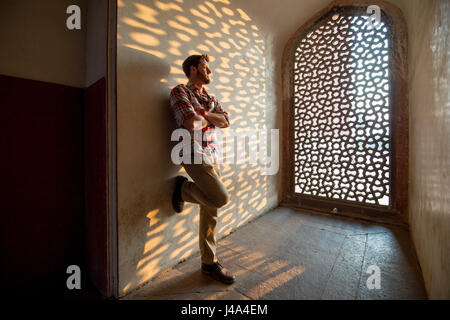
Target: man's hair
x=194, y=61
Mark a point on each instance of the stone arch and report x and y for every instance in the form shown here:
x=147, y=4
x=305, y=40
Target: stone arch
x=398, y=118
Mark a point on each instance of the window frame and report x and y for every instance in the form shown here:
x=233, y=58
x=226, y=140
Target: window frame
x=399, y=120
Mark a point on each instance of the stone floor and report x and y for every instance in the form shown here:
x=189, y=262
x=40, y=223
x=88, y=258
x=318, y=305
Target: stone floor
x=288, y=254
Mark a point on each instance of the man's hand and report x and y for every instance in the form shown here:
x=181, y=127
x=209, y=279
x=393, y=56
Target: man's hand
x=217, y=119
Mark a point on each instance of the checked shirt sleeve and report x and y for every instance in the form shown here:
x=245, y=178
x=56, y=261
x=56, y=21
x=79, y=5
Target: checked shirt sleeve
x=218, y=109
x=180, y=105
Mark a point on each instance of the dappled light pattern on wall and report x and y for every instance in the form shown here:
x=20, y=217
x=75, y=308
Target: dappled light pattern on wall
x=154, y=37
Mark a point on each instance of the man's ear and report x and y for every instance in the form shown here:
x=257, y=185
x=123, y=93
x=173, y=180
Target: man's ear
x=193, y=70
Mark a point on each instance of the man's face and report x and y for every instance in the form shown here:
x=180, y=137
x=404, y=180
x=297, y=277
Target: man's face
x=203, y=72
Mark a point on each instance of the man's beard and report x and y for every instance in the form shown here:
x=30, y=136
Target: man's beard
x=204, y=79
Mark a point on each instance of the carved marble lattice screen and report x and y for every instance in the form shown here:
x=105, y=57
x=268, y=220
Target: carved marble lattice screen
x=342, y=128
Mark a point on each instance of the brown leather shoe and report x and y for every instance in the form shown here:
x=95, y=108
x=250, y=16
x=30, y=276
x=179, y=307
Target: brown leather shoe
x=177, y=201
x=218, y=272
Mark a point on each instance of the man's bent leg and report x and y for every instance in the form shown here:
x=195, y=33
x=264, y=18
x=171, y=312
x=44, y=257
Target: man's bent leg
x=207, y=188
x=208, y=191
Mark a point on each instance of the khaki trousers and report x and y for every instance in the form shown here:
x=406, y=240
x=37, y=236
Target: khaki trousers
x=209, y=192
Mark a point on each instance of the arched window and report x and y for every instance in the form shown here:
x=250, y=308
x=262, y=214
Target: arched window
x=345, y=111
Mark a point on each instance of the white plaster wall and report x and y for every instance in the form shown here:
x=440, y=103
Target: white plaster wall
x=154, y=37
x=36, y=43
x=279, y=20
x=429, y=68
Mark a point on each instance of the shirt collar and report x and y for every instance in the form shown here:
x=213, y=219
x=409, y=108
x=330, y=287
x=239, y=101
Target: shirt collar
x=191, y=86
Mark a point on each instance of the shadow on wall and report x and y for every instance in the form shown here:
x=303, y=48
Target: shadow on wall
x=154, y=38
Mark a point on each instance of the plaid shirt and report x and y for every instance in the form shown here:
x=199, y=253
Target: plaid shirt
x=187, y=101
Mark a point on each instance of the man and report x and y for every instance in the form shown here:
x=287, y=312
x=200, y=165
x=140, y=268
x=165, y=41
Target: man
x=192, y=108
